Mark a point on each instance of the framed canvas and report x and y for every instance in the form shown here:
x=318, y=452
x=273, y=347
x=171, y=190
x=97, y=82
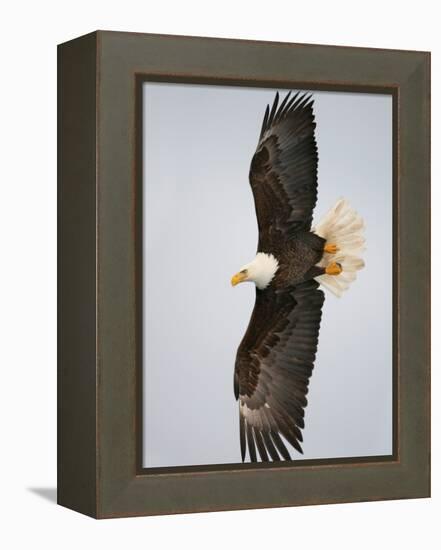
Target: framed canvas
x=311, y=383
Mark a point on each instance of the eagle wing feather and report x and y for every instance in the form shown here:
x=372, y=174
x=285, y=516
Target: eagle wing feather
x=283, y=172
x=273, y=365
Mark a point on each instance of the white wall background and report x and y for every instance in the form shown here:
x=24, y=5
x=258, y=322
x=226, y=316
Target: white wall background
x=29, y=33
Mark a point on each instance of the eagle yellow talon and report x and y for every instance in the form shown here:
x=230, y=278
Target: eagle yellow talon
x=331, y=248
x=333, y=269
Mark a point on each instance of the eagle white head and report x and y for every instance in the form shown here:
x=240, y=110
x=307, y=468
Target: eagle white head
x=260, y=271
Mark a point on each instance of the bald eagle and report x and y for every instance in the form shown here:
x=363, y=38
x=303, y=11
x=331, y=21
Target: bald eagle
x=275, y=359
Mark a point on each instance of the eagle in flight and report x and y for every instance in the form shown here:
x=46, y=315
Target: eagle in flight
x=275, y=359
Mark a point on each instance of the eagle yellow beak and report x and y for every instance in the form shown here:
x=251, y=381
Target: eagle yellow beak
x=239, y=278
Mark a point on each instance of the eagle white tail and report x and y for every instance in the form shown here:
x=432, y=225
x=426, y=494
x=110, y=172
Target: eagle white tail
x=344, y=227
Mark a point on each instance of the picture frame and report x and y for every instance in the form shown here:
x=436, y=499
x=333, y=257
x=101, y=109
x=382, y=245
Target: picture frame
x=100, y=348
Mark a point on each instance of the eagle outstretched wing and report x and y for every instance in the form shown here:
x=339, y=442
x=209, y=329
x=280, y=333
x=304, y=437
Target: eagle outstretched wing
x=273, y=365
x=283, y=172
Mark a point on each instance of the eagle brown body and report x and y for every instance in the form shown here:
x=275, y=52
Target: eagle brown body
x=298, y=260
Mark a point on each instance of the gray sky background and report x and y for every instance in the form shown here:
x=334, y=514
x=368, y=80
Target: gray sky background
x=200, y=228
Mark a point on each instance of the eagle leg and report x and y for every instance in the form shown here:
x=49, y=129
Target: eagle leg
x=330, y=248
x=333, y=268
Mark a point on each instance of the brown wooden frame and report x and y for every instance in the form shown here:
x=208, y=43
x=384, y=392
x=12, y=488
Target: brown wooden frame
x=100, y=274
